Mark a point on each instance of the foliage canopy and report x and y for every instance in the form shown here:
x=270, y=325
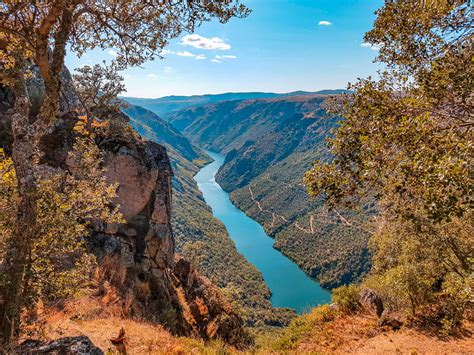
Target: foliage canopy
x=407, y=139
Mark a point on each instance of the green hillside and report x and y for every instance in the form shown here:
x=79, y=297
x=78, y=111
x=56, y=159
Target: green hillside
x=166, y=106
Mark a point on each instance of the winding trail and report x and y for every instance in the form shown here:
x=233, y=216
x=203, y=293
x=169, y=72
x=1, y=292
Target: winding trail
x=275, y=216
x=322, y=217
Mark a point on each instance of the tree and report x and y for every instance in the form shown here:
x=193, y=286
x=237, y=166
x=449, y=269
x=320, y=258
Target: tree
x=37, y=34
x=98, y=88
x=66, y=205
x=407, y=139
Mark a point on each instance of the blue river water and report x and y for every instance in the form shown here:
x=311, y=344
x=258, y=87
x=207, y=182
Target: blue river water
x=289, y=285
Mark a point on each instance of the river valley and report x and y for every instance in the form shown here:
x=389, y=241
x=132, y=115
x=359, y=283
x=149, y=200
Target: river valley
x=289, y=285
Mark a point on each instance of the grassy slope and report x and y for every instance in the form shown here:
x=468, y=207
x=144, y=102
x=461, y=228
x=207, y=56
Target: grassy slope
x=269, y=145
x=322, y=331
x=203, y=239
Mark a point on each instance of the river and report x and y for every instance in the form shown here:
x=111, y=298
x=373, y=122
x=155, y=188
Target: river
x=289, y=285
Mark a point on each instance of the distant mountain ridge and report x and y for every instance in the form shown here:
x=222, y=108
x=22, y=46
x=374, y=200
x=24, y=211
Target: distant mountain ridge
x=164, y=106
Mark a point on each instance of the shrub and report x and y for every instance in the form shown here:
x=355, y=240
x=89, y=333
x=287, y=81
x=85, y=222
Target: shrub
x=346, y=298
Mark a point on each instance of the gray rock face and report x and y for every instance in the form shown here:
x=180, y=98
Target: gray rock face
x=371, y=301
x=80, y=345
x=136, y=183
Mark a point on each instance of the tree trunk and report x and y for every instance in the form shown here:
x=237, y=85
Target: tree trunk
x=26, y=153
x=20, y=244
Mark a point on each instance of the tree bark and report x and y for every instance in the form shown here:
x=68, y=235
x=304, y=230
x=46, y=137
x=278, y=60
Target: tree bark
x=19, y=246
x=25, y=155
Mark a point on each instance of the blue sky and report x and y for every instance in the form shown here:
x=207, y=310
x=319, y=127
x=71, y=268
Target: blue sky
x=283, y=46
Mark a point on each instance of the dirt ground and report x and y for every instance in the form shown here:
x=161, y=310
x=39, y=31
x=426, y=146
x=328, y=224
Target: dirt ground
x=360, y=335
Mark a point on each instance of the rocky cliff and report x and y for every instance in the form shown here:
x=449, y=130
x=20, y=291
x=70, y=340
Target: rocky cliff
x=137, y=258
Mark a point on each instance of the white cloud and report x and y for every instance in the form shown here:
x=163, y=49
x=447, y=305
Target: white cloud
x=215, y=60
x=374, y=47
x=126, y=76
x=112, y=53
x=324, y=23
x=168, y=69
x=201, y=42
x=201, y=56
x=166, y=51
x=152, y=76
x=185, y=54
x=225, y=56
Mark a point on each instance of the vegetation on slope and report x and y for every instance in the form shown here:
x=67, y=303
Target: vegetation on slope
x=152, y=125
x=269, y=145
x=304, y=229
x=328, y=331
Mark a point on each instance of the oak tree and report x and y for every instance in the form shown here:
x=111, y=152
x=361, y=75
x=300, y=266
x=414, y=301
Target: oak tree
x=36, y=35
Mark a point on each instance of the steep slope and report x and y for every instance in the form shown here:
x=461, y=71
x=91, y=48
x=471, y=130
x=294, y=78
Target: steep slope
x=151, y=124
x=328, y=330
x=165, y=106
x=269, y=144
x=198, y=235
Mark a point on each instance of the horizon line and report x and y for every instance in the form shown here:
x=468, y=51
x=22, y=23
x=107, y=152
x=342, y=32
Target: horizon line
x=233, y=92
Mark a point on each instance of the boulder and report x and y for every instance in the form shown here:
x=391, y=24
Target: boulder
x=390, y=322
x=371, y=301
x=80, y=345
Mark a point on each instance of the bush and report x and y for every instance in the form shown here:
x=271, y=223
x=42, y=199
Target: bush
x=346, y=298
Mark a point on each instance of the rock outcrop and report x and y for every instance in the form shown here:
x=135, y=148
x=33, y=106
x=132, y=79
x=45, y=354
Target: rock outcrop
x=80, y=345
x=371, y=302
x=164, y=287
x=154, y=284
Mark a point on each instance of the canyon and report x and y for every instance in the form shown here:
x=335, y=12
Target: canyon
x=269, y=144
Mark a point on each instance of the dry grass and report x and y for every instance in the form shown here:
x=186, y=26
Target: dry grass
x=326, y=331
x=321, y=331
x=409, y=341
x=141, y=338
x=101, y=317
x=360, y=334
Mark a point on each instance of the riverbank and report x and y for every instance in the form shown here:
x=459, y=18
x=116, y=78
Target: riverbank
x=289, y=285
